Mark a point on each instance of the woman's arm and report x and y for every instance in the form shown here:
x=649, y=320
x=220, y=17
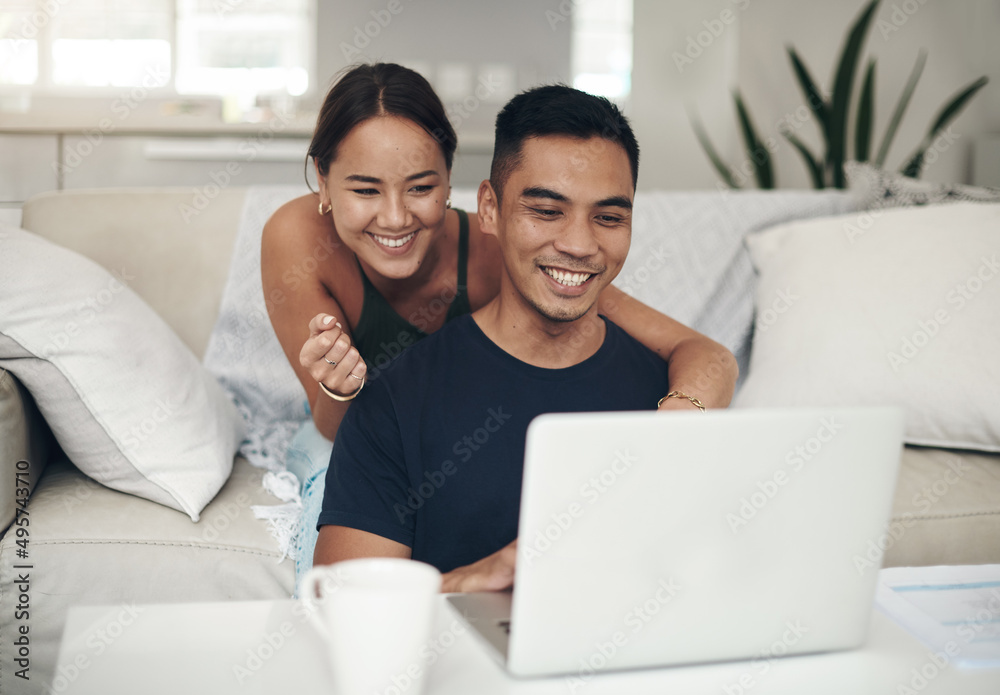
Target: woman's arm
x=298, y=302
x=698, y=366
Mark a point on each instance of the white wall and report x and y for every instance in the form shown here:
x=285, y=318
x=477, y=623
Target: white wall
x=485, y=51
x=961, y=37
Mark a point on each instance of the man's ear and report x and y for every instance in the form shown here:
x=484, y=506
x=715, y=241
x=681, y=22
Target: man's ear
x=489, y=208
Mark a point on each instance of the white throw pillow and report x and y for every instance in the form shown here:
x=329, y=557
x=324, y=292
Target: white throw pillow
x=128, y=402
x=688, y=259
x=897, y=307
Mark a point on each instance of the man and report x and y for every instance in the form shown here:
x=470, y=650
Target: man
x=428, y=461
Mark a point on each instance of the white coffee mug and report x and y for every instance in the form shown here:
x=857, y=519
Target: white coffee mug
x=375, y=615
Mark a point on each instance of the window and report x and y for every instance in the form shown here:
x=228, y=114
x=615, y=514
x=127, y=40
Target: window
x=19, y=41
x=602, y=47
x=223, y=47
x=244, y=46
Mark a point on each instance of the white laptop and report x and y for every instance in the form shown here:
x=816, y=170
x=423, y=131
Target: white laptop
x=652, y=539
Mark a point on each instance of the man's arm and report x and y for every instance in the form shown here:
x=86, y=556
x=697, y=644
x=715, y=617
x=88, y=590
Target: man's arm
x=336, y=543
x=698, y=366
x=493, y=573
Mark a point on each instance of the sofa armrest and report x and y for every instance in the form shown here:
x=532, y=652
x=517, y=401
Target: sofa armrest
x=25, y=445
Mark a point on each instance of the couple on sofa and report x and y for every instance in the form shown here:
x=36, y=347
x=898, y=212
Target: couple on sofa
x=428, y=450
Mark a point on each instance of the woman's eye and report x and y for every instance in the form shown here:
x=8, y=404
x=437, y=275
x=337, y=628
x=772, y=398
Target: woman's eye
x=365, y=191
x=422, y=189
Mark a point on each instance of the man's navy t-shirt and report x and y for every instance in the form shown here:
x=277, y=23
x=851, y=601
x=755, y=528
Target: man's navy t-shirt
x=430, y=454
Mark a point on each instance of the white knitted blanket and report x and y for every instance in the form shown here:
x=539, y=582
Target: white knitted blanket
x=244, y=354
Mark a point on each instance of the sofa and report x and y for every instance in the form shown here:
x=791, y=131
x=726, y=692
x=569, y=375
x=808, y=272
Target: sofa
x=124, y=541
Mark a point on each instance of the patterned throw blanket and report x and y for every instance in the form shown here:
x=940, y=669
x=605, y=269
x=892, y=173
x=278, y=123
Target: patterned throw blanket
x=245, y=356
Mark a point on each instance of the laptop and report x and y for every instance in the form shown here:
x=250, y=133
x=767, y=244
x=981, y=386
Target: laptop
x=650, y=539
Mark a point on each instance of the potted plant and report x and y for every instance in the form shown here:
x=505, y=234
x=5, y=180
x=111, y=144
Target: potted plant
x=833, y=114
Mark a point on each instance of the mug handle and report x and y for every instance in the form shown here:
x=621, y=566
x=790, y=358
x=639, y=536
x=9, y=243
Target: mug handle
x=312, y=581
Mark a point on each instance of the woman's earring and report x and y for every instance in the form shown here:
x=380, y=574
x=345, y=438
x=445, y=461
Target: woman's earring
x=323, y=212
x=448, y=204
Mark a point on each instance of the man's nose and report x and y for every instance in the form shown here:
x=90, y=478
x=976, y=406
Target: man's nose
x=577, y=238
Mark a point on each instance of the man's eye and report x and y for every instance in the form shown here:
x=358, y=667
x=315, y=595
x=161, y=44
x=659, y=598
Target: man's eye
x=610, y=219
x=545, y=212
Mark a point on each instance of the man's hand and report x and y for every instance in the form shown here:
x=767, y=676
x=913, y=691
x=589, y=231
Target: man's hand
x=493, y=573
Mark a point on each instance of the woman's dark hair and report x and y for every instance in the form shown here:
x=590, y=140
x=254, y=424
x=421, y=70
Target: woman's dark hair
x=379, y=89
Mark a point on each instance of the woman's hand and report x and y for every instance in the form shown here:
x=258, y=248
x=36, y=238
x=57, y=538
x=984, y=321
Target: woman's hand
x=330, y=358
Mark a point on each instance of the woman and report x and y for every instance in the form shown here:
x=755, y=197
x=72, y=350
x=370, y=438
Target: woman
x=378, y=259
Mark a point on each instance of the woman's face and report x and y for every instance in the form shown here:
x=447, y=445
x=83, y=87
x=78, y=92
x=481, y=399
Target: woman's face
x=388, y=186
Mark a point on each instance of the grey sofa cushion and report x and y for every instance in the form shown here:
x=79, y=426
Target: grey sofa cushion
x=91, y=545
x=25, y=442
x=946, y=510
x=176, y=256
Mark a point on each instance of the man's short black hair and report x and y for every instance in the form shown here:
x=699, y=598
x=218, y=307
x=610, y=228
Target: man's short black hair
x=556, y=110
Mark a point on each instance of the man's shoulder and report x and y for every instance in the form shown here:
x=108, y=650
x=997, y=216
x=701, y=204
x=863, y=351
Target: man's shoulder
x=452, y=334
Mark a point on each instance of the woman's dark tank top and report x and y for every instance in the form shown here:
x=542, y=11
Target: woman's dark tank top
x=381, y=333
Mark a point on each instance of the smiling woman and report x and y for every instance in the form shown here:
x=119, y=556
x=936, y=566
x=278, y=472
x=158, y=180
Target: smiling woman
x=383, y=149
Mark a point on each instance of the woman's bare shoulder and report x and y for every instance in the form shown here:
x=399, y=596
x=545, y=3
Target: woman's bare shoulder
x=296, y=229
x=298, y=242
x=295, y=217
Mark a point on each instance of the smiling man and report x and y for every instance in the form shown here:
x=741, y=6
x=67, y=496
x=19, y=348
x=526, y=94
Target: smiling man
x=427, y=463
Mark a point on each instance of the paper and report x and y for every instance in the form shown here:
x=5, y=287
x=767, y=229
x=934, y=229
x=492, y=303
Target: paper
x=954, y=610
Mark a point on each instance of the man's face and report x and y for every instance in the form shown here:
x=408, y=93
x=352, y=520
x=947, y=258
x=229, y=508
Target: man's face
x=565, y=222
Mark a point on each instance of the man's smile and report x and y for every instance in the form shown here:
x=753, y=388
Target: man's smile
x=567, y=278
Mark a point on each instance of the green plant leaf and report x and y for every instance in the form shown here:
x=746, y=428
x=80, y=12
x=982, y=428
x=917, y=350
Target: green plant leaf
x=913, y=167
x=866, y=115
x=713, y=155
x=897, y=114
x=755, y=150
x=941, y=121
x=812, y=164
x=814, y=98
x=956, y=105
x=843, y=85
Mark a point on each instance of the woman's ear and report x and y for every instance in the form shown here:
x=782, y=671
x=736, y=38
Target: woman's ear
x=488, y=208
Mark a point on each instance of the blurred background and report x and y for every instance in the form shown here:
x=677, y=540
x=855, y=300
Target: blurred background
x=98, y=93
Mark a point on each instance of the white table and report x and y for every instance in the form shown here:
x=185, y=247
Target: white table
x=269, y=647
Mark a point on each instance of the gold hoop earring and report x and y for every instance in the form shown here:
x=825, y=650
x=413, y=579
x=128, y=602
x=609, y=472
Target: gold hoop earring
x=321, y=211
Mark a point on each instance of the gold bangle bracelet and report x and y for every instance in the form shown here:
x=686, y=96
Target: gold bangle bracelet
x=680, y=394
x=342, y=399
